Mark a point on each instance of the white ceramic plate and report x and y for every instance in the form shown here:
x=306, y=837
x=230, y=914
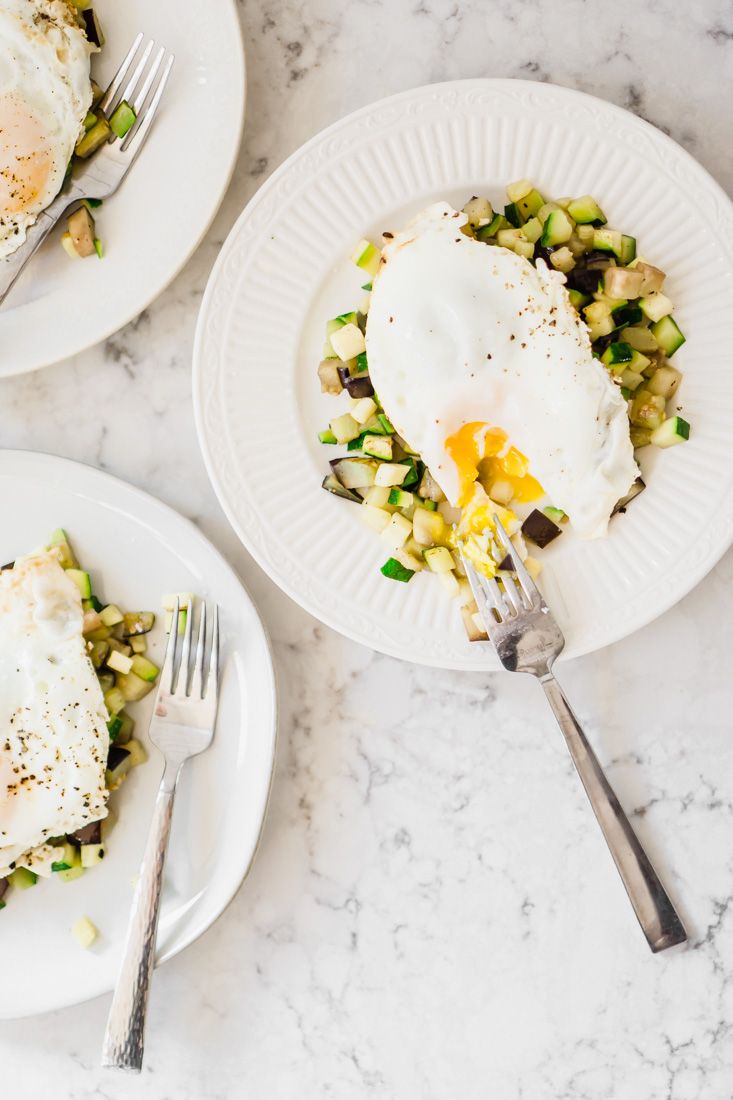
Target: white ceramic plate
x=137, y=548
x=285, y=269
x=163, y=208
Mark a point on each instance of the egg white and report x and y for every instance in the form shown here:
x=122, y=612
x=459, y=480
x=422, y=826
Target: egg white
x=45, y=93
x=461, y=332
x=53, y=722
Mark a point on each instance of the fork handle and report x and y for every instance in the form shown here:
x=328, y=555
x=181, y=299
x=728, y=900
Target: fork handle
x=11, y=268
x=657, y=916
x=124, y=1037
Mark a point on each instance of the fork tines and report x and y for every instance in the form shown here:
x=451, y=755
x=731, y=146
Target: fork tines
x=515, y=596
x=141, y=83
x=180, y=676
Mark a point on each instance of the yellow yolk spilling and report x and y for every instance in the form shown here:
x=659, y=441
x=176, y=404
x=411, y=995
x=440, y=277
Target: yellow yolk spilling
x=25, y=162
x=482, y=453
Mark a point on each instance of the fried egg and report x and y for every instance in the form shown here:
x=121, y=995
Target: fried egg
x=45, y=93
x=53, y=722
x=484, y=367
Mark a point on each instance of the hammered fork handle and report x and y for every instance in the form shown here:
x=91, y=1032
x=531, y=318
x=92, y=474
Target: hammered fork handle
x=125, y=1036
x=654, y=910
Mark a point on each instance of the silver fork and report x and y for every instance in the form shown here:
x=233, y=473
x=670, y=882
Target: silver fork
x=527, y=639
x=140, y=83
x=182, y=726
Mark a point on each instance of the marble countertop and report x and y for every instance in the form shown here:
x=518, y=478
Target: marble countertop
x=432, y=913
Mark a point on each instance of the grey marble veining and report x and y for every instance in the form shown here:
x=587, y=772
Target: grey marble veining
x=432, y=913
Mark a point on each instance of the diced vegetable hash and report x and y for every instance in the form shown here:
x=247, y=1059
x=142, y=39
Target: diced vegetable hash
x=116, y=644
x=619, y=296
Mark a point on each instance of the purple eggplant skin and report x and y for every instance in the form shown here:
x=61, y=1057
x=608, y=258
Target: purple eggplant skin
x=116, y=755
x=332, y=484
x=638, y=487
x=542, y=252
x=540, y=529
x=359, y=385
x=3, y=887
x=88, y=834
x=584, y=279
x=507, y=565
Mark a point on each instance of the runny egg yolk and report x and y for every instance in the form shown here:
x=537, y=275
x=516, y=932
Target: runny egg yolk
x=25, y=160
x=482, y=453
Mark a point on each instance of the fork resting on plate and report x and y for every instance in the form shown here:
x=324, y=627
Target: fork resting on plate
x=527, y=639
x=103, y=173
x=181, y=727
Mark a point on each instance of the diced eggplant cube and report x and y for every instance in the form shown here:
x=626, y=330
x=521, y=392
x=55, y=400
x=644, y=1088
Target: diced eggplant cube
x=540, y=529
x=91, y=833
x=82, y=231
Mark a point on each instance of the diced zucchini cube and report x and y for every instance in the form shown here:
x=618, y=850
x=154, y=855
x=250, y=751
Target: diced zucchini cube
x=397, y=531
x=517, y=191
x=137, y=753
x=345, y=428
x=377, y=496
x=558, y=228
x=429, y=528
x=91, y=854
x=182, y=616
x=439, y=559
x=596, y=311
x=69, y=857
x=111, y=615
x=524, y=248
x=22, y=878
x=529, y=205
x=627, y=252
x=93, y=139
x=508, y=238
x=532, y=230
x=647, y=410
x=376, y=518
x=478, y=211
x=665, y=381
x=355, y=473
x=348, y=342
x=617, y=354
x=641, y=338
x=119, y=662
x=144, y=668
x=586, y=211
x=671, y=432
x=363, y=409
x=123, y=119
x=84, y=932
x=82, y=581
x=668, y=335
x=391, y=473
x=400, y=499
x=114, y=700
x=631, y=380
x=656, y=305
x=396, y=571
x=562, y=259
x=607, y=240
x=367, y=256
x=132, y=687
